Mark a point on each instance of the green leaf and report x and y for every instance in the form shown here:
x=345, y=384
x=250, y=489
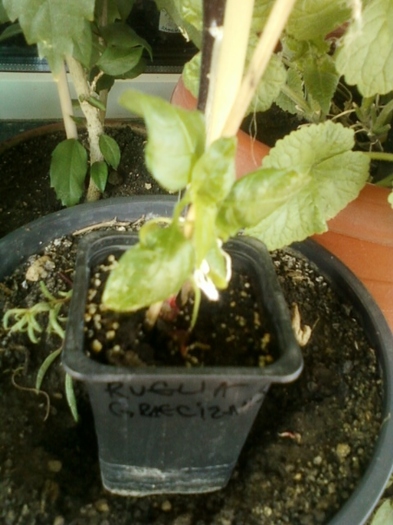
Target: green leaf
x=176, y=138
x=191, y=74
x=99, y=174
x=110, y=150
x=335, y=175
x=187, y=14
x=321, y=79
x=117, y=61
x=365, y=58
x=204, y=235
x=68, y=171
x=270, y=86
x=83, y=46
x=54, y=25
x=123, y=51
x=214, y=172
x=384, y=515
x=294, y=86
x=314, y=19
x=10, y=31
x=255, y=196
x=121, y=35
x=113, y=10
x=146, y=275
x=95, y=102
x=4, y=18
x=70, y=397
x=45, y=366
x=124, y=8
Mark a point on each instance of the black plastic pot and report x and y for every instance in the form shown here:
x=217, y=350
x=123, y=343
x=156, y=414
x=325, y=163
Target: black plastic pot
x=30, y=239
x=147, y=419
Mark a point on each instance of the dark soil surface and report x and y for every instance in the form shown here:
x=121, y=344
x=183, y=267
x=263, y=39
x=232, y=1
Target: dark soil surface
x=310, y=444
x=128, y=340
x=25, y=188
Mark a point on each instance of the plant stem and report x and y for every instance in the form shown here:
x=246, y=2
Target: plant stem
x=66, y=104
x=94, y=125
x=276, y=22
x=379, y=155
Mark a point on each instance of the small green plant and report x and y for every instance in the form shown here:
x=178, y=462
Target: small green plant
x=91, y=38
x=30, y=321
x=304, y=181
x=27, y=320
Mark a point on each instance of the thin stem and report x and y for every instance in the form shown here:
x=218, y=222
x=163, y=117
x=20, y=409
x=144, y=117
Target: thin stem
x=276, y=22
x=379, y=155
x=66, y=104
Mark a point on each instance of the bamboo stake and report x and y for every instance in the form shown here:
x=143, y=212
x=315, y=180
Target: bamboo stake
x=227, y=64
x=66, y=104
x=276, y=22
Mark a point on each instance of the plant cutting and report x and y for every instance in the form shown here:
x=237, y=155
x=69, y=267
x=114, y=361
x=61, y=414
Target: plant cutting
x=92, y=40
x=188, y=256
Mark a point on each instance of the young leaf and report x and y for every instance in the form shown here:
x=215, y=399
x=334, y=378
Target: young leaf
x=99, y=174
x=176, y=138
x=110, y=150
x=320, y=79
x=214, y=172
x=68, y=171
x=146, y=275
x=365, y=58
x=335, y=176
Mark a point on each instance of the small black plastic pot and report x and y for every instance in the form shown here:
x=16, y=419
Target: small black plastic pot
x=176, y=429
x=32, y=238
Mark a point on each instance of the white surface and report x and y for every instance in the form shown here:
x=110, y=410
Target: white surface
x=29, y=96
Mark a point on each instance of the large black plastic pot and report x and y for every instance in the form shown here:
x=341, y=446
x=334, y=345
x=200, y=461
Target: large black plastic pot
x=18, y=245
x=177, y=429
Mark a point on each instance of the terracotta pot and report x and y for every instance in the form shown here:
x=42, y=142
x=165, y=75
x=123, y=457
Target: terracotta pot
x=361, y=235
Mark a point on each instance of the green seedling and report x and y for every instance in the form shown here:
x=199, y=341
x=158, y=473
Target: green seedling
x=29, y=321
x=26, y=320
